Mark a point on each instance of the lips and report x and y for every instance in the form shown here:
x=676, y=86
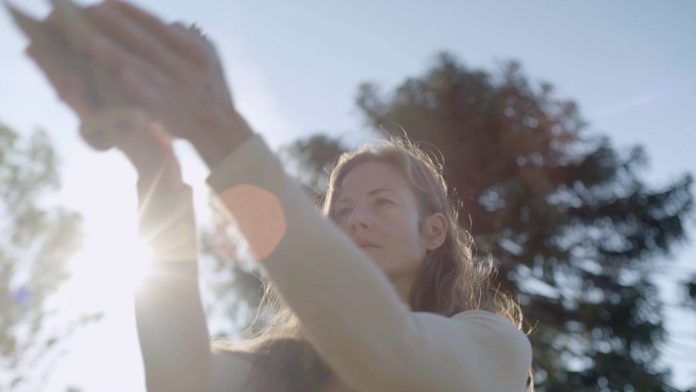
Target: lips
x=366, y=244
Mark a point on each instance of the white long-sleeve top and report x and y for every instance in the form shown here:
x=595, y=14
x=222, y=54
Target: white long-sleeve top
x=349, y=310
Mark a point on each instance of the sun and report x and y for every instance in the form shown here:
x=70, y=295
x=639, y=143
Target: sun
x=113, y=261
x=110, y=271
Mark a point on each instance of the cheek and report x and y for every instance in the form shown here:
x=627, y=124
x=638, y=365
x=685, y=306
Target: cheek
x=403, y=229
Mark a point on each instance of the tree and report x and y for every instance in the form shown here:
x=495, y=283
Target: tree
x=572, y=227
x=231, y=287
x=35, y=248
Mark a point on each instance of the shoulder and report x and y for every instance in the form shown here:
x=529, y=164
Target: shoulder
x=479, y=332
x=481, y=323
x=494, y=326
x=502, y=339
x=477, y=349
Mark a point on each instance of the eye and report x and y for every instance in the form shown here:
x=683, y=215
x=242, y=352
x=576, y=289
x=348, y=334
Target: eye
x=341, y=212
x=382, y=201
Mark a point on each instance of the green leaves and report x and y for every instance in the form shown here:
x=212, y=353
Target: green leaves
x=34, y=254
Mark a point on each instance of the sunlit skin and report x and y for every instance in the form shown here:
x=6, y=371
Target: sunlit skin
x=376, y=206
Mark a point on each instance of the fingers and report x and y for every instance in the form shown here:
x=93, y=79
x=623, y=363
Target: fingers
x=133, y=37
x=146, y=92
x=67, y=83
x=200, y=49
x=187, y=45
x=69, y=17
x=129, y=67
x=126, y=57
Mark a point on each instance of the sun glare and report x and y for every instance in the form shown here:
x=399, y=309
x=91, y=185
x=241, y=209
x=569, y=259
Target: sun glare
x=110, y=270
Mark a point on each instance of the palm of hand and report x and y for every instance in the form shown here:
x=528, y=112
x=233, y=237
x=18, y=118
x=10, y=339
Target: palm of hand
x=189, y=92
x=169, y=71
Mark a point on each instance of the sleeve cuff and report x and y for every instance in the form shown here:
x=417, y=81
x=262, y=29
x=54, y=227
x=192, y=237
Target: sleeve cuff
x=252, y=162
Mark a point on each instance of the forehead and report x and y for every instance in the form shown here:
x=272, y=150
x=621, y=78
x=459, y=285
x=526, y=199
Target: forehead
x=369, y=176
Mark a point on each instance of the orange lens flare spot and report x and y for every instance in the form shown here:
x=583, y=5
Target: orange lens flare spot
x=259, y=217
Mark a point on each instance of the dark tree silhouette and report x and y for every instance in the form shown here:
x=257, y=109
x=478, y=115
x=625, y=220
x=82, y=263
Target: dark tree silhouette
x=573, y=228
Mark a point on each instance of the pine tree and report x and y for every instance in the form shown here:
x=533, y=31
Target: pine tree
x=573, y=228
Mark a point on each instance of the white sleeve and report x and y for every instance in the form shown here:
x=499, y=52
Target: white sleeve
x=348, y=308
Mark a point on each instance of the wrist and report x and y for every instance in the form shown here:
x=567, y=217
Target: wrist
x=166, y=223
x=163, y=175
x=214, y=144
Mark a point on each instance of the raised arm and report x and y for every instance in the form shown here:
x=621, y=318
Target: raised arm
x=171, y=323
x=348, y=308
x=172, y=330
x=351, y=313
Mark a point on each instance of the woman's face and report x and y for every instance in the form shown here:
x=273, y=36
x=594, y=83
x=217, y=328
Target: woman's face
x=376, y=206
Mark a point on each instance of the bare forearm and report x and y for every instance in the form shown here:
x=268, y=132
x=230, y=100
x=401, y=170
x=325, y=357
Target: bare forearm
x=169, y=314
x=172, y=331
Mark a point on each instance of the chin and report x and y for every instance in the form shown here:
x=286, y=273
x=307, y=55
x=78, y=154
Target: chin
x=389, y=270
x=380, y=263
x=386, y=266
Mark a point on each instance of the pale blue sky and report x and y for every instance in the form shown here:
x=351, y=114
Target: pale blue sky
x=295, y=66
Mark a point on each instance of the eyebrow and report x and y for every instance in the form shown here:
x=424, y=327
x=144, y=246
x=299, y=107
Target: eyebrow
x=370, y=193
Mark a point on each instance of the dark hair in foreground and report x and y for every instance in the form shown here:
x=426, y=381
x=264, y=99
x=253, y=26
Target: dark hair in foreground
x=450, y=280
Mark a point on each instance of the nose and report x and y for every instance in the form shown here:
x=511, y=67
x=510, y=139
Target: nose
x=359, y=219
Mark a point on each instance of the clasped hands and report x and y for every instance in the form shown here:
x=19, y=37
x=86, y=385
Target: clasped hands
x=166, y=78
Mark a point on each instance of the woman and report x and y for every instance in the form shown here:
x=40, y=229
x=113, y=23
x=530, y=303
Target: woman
x=386, y=297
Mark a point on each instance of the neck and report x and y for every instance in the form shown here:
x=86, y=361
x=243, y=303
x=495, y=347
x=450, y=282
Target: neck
x=402, y=284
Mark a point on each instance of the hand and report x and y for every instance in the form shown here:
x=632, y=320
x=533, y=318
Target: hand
x=171, y=71
x=148, y=148
x=68, y=67
x=152, y=154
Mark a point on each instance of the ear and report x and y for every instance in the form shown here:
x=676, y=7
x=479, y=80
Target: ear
x=434, y=230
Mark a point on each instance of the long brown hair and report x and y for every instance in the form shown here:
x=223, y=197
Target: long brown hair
x=449, y=281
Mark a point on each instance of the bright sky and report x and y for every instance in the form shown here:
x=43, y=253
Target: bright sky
x=295, y=67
